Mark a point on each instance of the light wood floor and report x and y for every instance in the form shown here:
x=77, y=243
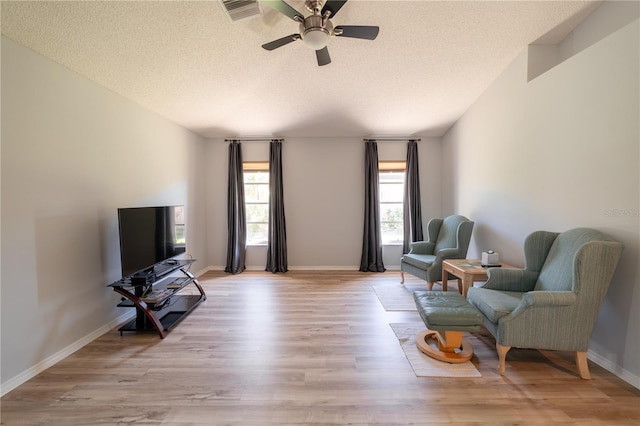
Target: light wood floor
x=305, y=348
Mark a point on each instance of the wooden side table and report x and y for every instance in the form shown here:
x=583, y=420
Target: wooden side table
x=466, y=270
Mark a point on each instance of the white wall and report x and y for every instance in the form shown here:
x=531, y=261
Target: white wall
x=559, y=152
x=323, y=181
x=72, y=153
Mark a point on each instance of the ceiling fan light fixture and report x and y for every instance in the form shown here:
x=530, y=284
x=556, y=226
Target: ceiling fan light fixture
x=316, y=38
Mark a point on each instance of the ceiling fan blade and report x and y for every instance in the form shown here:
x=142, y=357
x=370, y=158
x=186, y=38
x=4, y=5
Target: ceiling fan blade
x=284, y=8
x=333, y=6
x=323, y=56
x=281, y=42
x=358, y=31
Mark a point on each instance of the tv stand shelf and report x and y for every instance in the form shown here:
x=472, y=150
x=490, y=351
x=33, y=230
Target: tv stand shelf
x=166, y=311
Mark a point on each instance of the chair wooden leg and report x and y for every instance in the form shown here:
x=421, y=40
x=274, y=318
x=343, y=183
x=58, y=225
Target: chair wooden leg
x=502, y=357
x=401, y=277
x=583, y=367
x=430, y=285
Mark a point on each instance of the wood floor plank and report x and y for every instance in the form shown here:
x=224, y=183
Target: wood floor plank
x=305, y=348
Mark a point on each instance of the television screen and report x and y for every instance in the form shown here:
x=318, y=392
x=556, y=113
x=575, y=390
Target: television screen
x=150, y=235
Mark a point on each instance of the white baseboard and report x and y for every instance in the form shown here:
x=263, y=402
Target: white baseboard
x=291, y=268
x=30, y=373
x=324, y=268
x=202, y=271
x=304, y=268
x=612, y=368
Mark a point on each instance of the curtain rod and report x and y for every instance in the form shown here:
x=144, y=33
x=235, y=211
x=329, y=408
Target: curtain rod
x=254, y=139
x=392, y=139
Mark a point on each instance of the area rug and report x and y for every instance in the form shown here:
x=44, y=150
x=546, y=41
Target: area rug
x=424, y=366
x=396, y=297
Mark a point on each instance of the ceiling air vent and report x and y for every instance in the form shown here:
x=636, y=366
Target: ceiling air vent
x=240, y=9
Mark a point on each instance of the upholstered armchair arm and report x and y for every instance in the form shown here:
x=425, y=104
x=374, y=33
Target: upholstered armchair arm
x=550, y=298
x=422, y=247
x=510, y=279
x=448, y=253
x=542, y=299
x=443, y=254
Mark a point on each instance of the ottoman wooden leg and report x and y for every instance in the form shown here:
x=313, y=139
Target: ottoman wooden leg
x=449, y=346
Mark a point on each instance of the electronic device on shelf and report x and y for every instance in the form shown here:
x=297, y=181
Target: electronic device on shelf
x=150, y=236
x=143, y=278
x=177, y=282
x=150, y=240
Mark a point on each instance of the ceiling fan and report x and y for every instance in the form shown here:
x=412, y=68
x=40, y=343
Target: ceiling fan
x=316, y=29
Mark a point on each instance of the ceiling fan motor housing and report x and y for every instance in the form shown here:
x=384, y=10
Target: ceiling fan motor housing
x=315, y=31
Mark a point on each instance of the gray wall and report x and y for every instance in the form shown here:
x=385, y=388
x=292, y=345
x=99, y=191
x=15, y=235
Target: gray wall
x=559, y=152
x=72, y=153
x=323, y=183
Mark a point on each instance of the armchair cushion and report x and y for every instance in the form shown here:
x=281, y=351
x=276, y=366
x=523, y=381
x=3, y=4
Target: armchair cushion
x=494, y=304
x=422, y=261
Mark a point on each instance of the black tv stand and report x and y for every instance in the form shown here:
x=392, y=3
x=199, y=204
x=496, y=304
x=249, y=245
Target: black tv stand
x=163, y=313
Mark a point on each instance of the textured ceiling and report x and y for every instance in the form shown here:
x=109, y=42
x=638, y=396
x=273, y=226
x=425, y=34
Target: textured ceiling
x=190, y=63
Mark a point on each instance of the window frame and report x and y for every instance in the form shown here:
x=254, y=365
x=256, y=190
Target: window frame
x=392, y=166
x=255, y=167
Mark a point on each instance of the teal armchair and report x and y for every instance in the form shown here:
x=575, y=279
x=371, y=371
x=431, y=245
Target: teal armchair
x=448, y=238
x=553, y=302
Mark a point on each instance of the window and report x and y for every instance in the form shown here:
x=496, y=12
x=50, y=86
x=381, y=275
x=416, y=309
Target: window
x=391, y=176
x=179, y=218
x=256, y=200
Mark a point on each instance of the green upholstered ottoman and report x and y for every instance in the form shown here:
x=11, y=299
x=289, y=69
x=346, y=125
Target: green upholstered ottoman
x=447, y=315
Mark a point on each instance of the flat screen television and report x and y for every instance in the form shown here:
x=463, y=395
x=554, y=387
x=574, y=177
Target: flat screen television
x=148, y=236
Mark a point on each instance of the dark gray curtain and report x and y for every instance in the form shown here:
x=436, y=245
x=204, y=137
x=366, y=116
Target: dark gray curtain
x=412, y=219
x=236, y=216
x=277, y=246
x=371, y=260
